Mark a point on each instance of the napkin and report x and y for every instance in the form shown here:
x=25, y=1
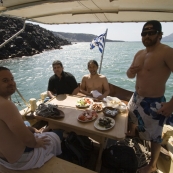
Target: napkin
x=95, y=93
x=112, y=101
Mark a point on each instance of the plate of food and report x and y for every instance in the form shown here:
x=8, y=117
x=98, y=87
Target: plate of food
x=110, y=112
x=98, y=107
x=84, y=103
x=87, y=116
x=104, y=123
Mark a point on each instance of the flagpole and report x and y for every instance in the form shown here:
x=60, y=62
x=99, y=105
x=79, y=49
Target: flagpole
x=103, y=52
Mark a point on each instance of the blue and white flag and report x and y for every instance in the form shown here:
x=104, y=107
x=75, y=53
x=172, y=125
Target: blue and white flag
x=98, y=41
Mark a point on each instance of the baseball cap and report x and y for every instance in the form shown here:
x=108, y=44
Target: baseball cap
x=156, y=25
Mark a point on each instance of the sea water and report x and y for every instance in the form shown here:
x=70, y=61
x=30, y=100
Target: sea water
x=32, y=73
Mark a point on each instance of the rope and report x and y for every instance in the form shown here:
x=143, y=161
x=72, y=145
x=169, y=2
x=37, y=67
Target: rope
x=22, y=98
x=17, y=102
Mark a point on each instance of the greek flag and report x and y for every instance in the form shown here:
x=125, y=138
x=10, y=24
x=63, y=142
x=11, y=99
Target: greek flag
x=98, y=41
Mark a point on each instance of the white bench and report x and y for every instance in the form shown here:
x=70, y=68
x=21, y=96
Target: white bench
x=54, y=165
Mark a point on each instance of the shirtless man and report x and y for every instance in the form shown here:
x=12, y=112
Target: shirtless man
x=94, y=81
x=148, y=108
x=20, y=149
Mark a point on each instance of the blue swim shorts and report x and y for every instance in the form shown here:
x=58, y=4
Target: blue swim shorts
x=143, y=113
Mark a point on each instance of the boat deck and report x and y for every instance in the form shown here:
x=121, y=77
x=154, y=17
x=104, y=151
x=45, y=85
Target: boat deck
x=165, y=162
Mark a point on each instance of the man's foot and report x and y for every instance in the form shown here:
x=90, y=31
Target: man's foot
x=147, y=169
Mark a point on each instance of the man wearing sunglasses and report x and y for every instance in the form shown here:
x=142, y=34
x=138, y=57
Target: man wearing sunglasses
x=148, y=109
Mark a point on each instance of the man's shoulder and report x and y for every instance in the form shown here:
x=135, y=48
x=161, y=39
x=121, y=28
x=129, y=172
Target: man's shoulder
x=69, y=77
x=4, y=101
x=141, y=51
x=166, y=47
x=5, y=105
x=86, y=76
x=52, y=77
x=67, y=74
x=102, y=76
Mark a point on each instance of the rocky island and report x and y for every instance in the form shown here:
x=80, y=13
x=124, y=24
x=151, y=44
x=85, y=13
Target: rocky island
x=32, y=40
x=35, y=39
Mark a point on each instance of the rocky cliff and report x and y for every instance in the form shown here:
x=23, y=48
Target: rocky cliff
x=32, y=40
x=168, y=38
x=76, y=37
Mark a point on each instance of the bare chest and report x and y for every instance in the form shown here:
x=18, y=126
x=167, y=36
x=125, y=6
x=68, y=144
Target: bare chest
x=150, y=62
x=94, y=84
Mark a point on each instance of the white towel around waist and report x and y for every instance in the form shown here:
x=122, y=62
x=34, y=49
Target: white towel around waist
x=37, y=157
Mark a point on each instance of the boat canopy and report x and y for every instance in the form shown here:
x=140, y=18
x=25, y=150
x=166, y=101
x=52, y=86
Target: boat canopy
x=88, y=11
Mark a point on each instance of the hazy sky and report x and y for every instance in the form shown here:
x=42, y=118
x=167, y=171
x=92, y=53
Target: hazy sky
x=116, y=31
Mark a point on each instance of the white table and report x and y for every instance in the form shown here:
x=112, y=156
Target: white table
x=67, y=104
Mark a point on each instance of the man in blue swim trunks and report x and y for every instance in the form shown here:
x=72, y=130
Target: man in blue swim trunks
x=148, y=108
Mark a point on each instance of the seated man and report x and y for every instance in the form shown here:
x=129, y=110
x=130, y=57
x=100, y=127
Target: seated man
x=20, y=149
x=61, y=82
x=94, y=82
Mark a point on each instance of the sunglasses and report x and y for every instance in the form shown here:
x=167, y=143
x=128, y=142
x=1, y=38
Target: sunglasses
x=143, y=34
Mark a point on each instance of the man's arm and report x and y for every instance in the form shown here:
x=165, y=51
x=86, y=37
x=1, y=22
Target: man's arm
x=168, y=58
x=34, y=130
x=74, y=85
x=105, y=89
x=50, y=94
x=10, y=115
x=76, y=90
x=133, y=69
x=167, y=108
x=50, y=89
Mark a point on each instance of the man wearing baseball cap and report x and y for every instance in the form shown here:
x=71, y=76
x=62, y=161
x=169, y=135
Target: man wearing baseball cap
x=148, y=109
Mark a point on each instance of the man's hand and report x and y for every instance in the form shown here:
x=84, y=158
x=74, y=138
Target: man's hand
x=42, y=142
x=100, y=97
x=166, y=109
x=134, y=69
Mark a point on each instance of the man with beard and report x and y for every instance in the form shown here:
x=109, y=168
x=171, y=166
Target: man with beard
x=94, y=84
x=148, y=109
x=20, y=149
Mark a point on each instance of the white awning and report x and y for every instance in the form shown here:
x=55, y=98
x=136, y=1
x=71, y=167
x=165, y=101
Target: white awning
x=88, y=11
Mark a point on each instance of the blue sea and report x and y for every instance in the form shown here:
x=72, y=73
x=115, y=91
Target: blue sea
x=32, y=73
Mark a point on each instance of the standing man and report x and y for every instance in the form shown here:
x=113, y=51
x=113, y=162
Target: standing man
x=148, y=108
x=61, y=82
x=94, y=84
x=20, y=149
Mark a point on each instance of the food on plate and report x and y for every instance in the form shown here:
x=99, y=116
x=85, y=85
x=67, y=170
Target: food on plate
x=105, y=122
x=84, y=102
x=112, y=112
x=88, y=115
x=97, y=107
